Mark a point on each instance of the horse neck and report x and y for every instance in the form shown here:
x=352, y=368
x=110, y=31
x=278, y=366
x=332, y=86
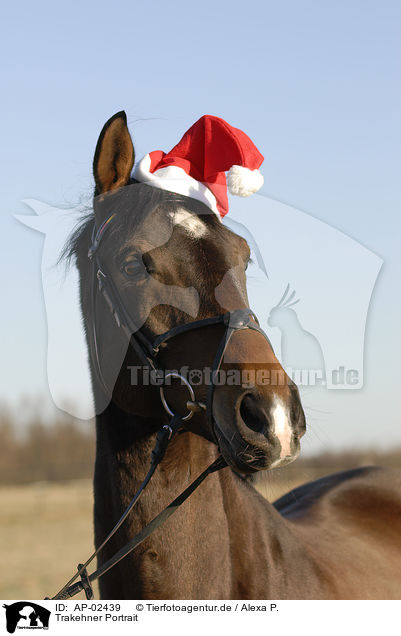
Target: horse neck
x=209, y=548
x=183, y=545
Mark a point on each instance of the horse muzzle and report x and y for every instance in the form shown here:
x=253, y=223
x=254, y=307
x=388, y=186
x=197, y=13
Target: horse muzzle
x=261, y=434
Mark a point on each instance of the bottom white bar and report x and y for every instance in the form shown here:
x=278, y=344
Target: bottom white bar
x=279, y=617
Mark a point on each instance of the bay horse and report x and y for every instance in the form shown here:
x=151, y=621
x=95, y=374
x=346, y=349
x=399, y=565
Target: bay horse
x=335, y=538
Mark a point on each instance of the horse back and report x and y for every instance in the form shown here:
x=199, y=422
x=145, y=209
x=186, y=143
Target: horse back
x=350, y=522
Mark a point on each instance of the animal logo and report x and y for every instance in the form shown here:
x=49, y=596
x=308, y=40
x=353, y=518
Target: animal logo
x=195, y=377
x=26, y=615
x=301, y=353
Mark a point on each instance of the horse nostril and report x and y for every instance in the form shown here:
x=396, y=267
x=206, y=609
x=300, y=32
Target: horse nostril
x=253, y=414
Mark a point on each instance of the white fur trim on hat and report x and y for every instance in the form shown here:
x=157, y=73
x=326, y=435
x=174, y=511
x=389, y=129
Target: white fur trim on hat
x=175, y=179
x=242, y=182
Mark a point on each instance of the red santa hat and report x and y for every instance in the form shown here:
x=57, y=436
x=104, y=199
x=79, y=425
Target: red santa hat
x=196, y=166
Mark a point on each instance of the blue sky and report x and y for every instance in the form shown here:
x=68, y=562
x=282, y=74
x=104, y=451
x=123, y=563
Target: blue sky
x=314, y=84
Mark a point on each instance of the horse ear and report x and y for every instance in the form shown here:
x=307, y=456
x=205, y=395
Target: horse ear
x=114, y=155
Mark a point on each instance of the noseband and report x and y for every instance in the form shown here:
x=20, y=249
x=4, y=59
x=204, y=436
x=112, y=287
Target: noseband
x=148, y=350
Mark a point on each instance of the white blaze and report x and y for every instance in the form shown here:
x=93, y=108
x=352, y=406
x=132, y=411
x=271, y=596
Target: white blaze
x=190, y=222
x=282, y=429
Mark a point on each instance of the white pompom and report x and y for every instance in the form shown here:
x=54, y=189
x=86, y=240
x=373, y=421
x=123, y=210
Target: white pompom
x=242, y=182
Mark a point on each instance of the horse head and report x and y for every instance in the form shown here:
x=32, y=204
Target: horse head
x=171, y=262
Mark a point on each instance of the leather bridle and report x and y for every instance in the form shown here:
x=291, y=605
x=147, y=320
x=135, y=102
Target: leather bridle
x=147, y=350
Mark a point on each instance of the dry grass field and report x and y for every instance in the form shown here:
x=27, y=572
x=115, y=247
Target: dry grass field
x=46, y=498
x=46, y=529
x=46, y=526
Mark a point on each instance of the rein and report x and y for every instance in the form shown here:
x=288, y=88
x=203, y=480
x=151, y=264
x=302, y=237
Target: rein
x=163, y=438
x=147, y=350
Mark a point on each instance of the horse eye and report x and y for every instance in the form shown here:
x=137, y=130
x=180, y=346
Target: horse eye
x=131, y=268
x=247, y=263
